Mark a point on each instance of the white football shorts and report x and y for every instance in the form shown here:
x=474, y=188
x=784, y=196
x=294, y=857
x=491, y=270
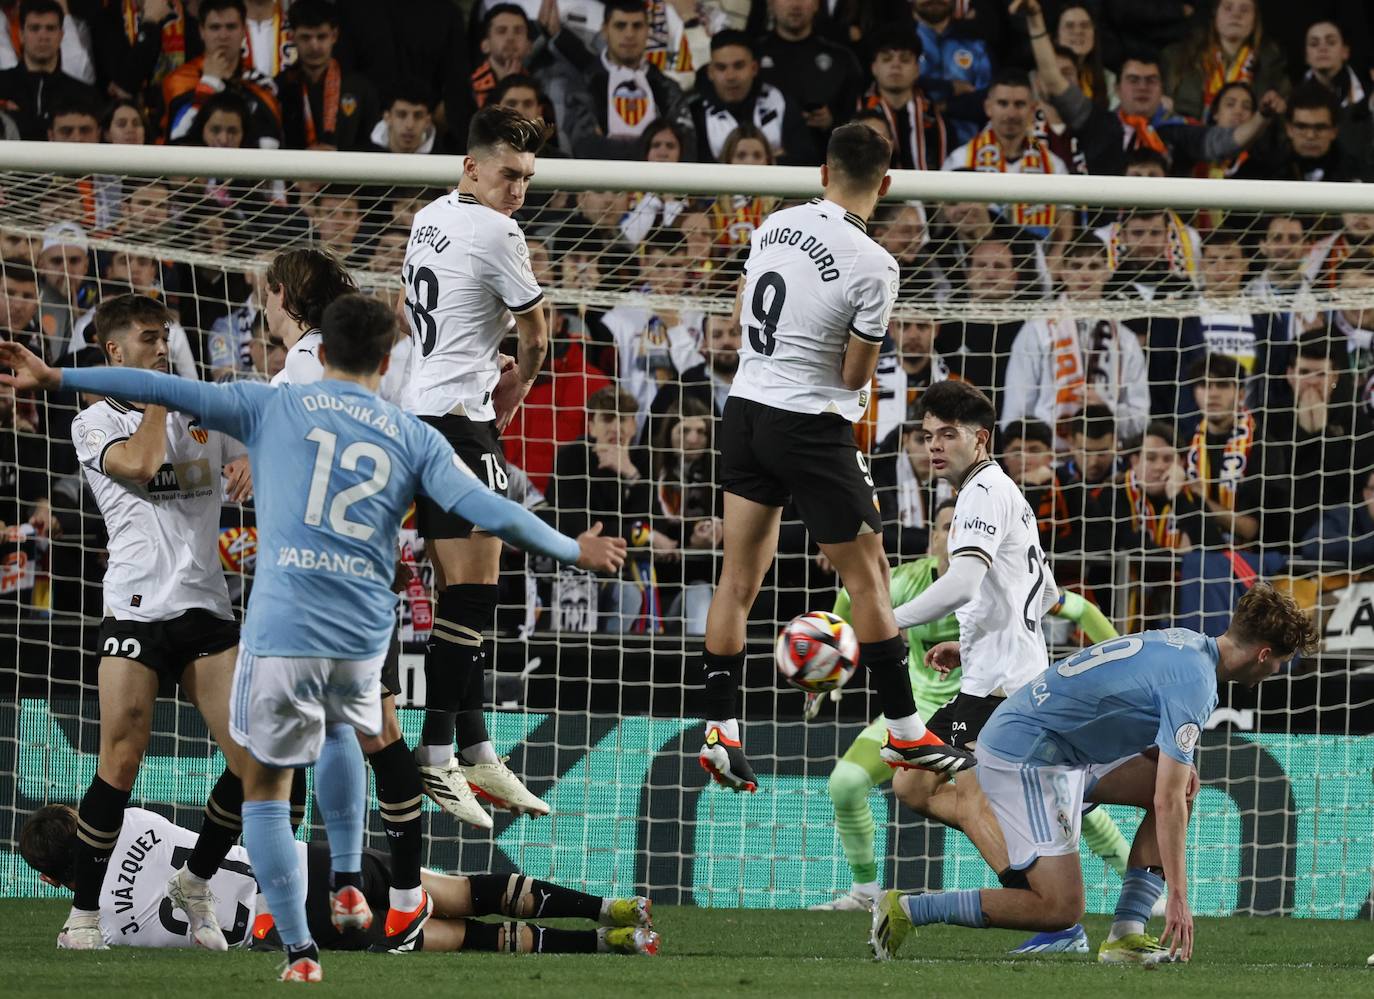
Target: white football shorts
x=279, y=706
x=1040, y=808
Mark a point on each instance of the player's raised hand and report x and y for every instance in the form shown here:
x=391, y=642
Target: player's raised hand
x=600, y=554
x=30, y=372
x=943, y=658
x=1178, y=927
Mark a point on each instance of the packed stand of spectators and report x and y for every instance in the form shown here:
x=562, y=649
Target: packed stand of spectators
x=1230, y=436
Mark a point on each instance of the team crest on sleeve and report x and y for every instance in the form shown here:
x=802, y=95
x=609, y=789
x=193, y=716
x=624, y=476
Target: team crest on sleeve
x=1186, y=737
x=93, y=438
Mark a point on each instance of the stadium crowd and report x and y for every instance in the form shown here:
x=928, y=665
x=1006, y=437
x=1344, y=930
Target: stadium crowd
x=1220, y=437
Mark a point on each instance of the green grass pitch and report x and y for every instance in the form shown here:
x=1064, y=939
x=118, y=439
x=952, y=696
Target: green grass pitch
x=722, y=953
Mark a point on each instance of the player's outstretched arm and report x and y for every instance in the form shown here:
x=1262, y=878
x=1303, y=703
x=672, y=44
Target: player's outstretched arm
x=1172, y=780
x=515, y=525
x=219, y=407
x=1094, y=624
x=951, y=591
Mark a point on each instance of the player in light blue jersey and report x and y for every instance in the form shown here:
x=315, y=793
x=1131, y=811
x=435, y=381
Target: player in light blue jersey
x=335, y=468
x=1116, y=723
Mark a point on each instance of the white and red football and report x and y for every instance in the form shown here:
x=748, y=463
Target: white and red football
x=817, y=652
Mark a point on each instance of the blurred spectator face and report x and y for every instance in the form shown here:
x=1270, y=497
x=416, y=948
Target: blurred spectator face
x=1235, y=21
x=602, y=209
x=1145, y=170
x=750, y=152
x=664, y=147
x=389, y=250
x=540, y=262
x=732, y=71
x=522, y=100
x=1326, y=49
x=63, y=266
x=1154, y=463
x=508, y=42
x=1140, y=87
x=407, y=125
x=16, y=246
x=722, y=345
x=581, y=270
x=1357, y=226
x=1284, y=246
x=696, y=232
x=795, y=16
x=74, y=127
x=610, y=428
x=1009, y=111
x=967, y=217
x=1311, y=132
x=1026, y=461
x=1096, y=455
x=19, y=302
x=126, y=128
x=315, y=46
x=224, y=130
x=914, y=337
x=627, y=36
x=691, y=436
x=1145, y=238
x=934, y=11
x=914, y=442
x=895, y=69
x=1223, y=268
x=664, y=271
x=1084, y=275
x=1217, y=399
x=147, y=206
x=1233, y=108
x=992, y=271
x=1362, y=283
x=40, y=37
x=403, y=211
x=269, y=355
x=939, y=534
x=1076, y=32
x=137, y=271
x=1312, y=378
x=904, y=236
x=222, y=31
x=337, y=218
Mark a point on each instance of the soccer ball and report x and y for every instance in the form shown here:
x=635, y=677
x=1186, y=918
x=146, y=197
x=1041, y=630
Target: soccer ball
x=816, y=652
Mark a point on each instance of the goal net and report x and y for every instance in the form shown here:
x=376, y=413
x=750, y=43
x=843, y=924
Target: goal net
x=1181, y=370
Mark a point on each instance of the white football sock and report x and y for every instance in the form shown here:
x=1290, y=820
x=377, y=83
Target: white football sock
x=433, y=756
x=908, y=729
x=406, y=899
x=480, y=752
x=1125, y=928
x=728, y=728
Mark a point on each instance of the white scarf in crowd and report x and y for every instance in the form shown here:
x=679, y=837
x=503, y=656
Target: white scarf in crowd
x=768, y=112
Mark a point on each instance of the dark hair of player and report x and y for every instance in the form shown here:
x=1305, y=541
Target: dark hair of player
x=610, y=399
x=496, y=10
x=731, y=36
x=114, y=317
x=1313, y=96
x=40, y=7
x=47, y=842
x=1266, y=616
x=358, y=332
x=1216, y=368
x=208, y=7
x=1010, y=77
x=309, y=280
x=18, y=271
x=1094, y=422
x=496, y=126
x=1027, y=431
x=860, y=154
x=312, y=14
x=895, y=38
x=872, y=114
x=961, y=403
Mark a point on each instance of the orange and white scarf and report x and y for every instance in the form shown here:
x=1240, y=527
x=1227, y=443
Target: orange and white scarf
x=671, y=55
x=1235, y=455
x=172, y=52
x=1079, y=361
x=1182, y=252
x=333, y=82
x=283, y=49
x=985, y=155
x=1158, y=522
x=922, y=124
x=1218, y=72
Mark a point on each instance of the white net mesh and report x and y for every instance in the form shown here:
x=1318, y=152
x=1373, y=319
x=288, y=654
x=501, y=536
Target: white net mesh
x=1164, y=482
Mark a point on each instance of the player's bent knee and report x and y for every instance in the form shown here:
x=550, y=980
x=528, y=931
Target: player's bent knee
x=849, y=783
x=913, y=789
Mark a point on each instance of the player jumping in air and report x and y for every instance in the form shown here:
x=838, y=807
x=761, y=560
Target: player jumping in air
x=861, y=768
x=336, y=469
x=133, y=912
x=815, y=305
x=466, y=277
x=1116, y=723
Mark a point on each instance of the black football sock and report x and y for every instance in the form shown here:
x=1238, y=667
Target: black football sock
x=400, y=794
x=342, y=879
x=298, y=794
x=526, y=898
x=98, y=822
x=886, y=662
x=455, y=664
x=550, y=941
x=723, y=675
x=221, y=828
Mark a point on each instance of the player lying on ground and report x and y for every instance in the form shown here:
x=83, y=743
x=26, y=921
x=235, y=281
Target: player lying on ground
x=336, y=468
x=817, y=296
x=861, y=768
x=134, y=913
x=1119, y=724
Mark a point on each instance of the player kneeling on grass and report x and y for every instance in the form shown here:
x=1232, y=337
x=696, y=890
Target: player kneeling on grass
x=1117, y=723
x=151, y=848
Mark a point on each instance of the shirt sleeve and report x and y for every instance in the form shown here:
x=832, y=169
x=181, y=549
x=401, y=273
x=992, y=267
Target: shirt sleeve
x=303, y=365
x=234, y=408
x=980, y=523
x=872, y=292
x=507, y=273
x=1183, y=710
x=94, y=431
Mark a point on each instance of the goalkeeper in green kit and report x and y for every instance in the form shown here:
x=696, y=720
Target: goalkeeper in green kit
x=861, y=769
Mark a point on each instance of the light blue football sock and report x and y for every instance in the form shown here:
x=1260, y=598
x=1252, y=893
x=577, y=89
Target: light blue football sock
x=1140, y=890
x=272, y=852
x=341, y=790
x=958, y=908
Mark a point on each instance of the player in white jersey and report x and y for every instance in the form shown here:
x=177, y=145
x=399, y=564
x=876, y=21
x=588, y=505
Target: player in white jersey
x=134, y=911
x=998, y=586
x=817, y=297
x=467, y=279
x=156, y=477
